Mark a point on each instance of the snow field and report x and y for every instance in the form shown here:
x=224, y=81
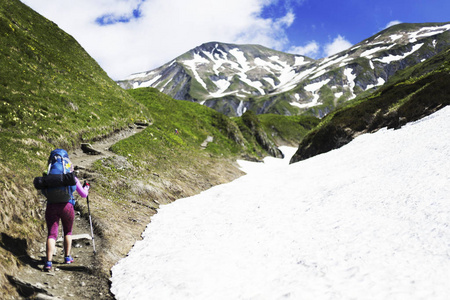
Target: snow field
x=367, y=221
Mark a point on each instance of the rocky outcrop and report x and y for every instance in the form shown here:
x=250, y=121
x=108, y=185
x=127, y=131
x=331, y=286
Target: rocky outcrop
x=252, y=123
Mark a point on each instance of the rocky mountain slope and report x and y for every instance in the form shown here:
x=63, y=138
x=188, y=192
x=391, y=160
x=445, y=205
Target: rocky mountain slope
x=410, y=95
x=235, y=78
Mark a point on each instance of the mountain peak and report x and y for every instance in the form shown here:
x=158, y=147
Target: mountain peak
x=232, y=78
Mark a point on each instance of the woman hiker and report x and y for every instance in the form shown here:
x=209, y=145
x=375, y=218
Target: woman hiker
x=61, y=207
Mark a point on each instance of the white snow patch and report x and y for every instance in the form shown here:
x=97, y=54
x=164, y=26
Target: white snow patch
x=274, y=57
x=256, y=84
x=192, y=64
x=245, y=67
x=259, y=62
x=369, y=53
x=328, y=62
x=318, y=73
x=168, y=81
x=314, y=88
x=301, y=105
x=391, y=58
x=351, y=80
x=338, y=95
x=281, y=69
x=345, y=62
x=148, y=83
x=299, y=61
x=427, y=31
x=240, y=57
x=241, y=95
x=395, y=37
x=286, y=76
x=304, y=105
x=222, y=85
x=380, y=81
x=367, y=221
x=139, y=75
x=270, y=80
x=217, y=62
x=241, y=109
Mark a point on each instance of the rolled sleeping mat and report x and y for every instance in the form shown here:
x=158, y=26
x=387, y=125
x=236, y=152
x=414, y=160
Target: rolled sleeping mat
x=54, y=180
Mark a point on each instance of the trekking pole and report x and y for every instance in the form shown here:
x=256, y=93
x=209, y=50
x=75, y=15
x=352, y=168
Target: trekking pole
x=90, y=220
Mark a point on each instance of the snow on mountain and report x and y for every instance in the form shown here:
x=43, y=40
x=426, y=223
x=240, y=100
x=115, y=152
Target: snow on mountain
x=367, y=221
x=227, y=77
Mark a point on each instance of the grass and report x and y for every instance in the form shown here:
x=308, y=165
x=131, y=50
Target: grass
x=52, y=95
x=408, y=96
x=194, y=123
x=48, y=81
x=288, y=130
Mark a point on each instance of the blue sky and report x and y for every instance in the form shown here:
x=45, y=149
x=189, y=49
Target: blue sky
x=326, y=22
x=130, y=36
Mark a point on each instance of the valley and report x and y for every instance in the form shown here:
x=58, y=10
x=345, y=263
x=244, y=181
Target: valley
x=176, y=131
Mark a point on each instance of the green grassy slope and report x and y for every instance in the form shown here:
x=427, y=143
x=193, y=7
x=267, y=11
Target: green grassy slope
x=46, y=77
x=53, y=94
x=408, y=96
x=161, y=149
x=287, y=130
x=194, y=123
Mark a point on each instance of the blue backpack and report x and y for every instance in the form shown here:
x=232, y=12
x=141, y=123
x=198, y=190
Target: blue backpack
x=59, y=163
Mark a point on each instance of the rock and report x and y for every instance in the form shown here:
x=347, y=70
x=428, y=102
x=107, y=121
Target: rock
x=88, y=149
x=253, y=124
x=209, y=139
x=27, y=289
x=142, y=123
x=41, y=296
x=78, y=240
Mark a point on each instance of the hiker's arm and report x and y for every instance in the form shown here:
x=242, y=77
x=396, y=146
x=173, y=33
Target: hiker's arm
x=83, y=191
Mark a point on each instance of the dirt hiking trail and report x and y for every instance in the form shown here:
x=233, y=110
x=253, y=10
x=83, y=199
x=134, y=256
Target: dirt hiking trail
x=78, y=280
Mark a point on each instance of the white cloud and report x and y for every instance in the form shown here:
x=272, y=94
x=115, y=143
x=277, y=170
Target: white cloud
x=164, y=29
x=392, y=23
x=339, y=44
x=310, y=50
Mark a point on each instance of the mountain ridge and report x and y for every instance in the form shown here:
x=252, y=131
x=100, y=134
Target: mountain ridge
x=233, y=78
x=410, y=95
x=53, y=94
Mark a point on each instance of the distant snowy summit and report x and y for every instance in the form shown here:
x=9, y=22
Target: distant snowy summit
x=233, y=78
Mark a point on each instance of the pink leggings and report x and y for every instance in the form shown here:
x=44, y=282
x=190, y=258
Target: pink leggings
x=56, y=211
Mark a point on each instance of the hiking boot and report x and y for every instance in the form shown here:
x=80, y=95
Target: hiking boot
x=48, y=266
x=68, y=259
